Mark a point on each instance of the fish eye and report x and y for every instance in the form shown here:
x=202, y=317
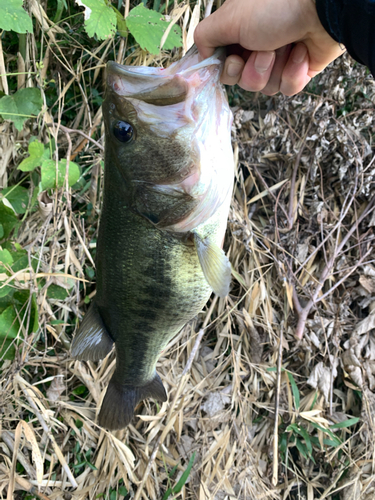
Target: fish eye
x=123, y=131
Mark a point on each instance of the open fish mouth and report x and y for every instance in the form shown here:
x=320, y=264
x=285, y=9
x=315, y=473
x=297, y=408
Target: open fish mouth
x=184, y=105
x=164, y=86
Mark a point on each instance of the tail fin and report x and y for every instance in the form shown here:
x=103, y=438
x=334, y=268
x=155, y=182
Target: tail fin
x=120, y=401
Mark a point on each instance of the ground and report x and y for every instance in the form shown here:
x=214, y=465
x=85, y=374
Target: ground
x=272, y=389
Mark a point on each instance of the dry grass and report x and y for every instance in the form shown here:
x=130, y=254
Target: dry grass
x=257, y=381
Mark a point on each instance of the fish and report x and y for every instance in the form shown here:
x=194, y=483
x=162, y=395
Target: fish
x=168, y=181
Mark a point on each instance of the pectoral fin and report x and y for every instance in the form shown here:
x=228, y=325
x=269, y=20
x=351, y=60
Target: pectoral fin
x=92, y=341
x=215, y=265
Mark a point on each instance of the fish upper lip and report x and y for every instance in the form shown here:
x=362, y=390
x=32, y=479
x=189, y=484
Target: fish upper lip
x=164, y=73
x=163, y=87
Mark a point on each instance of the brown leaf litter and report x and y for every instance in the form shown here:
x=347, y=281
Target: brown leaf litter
x=296, y=334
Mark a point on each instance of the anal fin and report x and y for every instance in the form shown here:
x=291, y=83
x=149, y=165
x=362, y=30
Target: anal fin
x=92, y=341
x=215, y=265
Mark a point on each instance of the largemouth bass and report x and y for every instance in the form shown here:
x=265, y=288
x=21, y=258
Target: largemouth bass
x=167, y=187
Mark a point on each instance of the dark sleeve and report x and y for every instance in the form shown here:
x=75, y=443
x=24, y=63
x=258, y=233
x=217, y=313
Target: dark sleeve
x=352, y=23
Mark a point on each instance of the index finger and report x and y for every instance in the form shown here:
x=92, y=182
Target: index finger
x=217, y=30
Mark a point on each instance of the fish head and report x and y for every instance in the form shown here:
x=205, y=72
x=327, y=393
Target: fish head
x=168, y=133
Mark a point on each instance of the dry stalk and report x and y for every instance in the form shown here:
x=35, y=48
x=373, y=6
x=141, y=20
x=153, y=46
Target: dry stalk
x=9, y=441
x=25, y=485
x=67, y=130
x=275, y=463
x=208, y=9
x=303, y=312
x=46, y=429
x=3, y=73
x=292, y=212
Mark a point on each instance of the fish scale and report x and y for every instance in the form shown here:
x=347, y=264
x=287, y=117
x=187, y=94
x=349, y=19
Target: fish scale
x=167, y=186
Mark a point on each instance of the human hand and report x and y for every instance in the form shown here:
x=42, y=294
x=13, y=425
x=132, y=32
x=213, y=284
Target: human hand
x=273, y=45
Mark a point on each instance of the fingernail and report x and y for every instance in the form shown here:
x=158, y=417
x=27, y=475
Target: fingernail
x=234, y=69
x=299, y=53
x=263, y=61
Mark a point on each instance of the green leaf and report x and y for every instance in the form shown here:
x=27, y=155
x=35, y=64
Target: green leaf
x=185, y=475
x=334, y=438
x=49, y=173
x=8, y=219
x=34, y=319
x=283, y=444
x=20, y=299
x=5, y=258
x=9, y=324
x=327, y=442
x=302, y=448
x=121, y=23
x=346, y=423
x=37, y=154
x=100, y=18
x=182, y=480
x=90, y=272
x=21, y=106
x=1, y=232
x=295, y=390
x=123, y=491
x=57, y=292
x=302, y=432
x=81, y=389
x=18, y=197
x=7, y=350
x=122, y=31
x=167, y=494
x=314, y=401
x=148, y=28
x=20, y=262
x=14, y=17
x=172, y=472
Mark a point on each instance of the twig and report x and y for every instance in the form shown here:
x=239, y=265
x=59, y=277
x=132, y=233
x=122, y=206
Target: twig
x=304, y=312
x=68, y=155
x=8, y=439
x=329, y=235
x=208, y=10
x=74, y=131
x=291, y=211
x=124, y=41
x=324, y=296
x=275, y=461
x=267, y=187
x=3, y=75
x=46, y=429
x=25, y=484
